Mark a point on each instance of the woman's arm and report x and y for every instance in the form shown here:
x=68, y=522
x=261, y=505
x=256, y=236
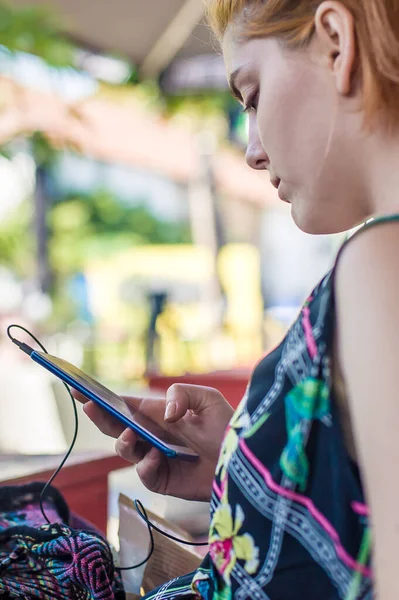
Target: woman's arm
x=367, y=293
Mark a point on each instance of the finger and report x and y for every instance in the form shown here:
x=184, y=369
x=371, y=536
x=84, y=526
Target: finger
x=104, y=421
x=151, y=407
x=131, y=447
x=80, y=397
x=181, y=398
x=132, y=401
x=154, y=408
x=152, y=470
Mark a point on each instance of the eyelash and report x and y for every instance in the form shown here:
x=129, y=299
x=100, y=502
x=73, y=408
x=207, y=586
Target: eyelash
x=252, y=105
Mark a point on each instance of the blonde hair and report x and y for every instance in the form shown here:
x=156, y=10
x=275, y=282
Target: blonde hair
x=377, y=36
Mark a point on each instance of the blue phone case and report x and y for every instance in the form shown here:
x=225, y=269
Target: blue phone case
x=41, y=360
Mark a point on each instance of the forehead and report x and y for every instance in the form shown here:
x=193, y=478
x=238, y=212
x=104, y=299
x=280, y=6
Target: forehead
x=247, y=56
x=242, y=61
x=236, y=54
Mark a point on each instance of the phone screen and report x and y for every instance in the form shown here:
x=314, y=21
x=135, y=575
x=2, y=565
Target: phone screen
x=117, y=403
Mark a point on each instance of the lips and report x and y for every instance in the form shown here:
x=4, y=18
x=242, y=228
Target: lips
x=275, y=181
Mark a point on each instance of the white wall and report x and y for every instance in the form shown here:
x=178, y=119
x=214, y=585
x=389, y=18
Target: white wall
x=292, y=261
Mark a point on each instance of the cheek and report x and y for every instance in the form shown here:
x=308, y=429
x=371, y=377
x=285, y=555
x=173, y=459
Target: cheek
x=294, y=120
x=274, y=120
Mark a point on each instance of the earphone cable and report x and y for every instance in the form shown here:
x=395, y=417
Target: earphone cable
x=137, y=504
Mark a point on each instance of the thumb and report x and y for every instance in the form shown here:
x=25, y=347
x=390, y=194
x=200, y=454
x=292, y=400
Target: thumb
x=182, y=397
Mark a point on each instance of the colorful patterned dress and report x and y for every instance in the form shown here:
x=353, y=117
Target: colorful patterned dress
x=288, y=515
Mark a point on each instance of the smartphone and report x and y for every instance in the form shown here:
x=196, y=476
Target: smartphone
x=115, y=406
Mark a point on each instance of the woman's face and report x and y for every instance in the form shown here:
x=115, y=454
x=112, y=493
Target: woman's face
x=301, y=129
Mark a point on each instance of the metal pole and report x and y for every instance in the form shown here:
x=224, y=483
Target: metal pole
x=41, y=231
x=206, y=225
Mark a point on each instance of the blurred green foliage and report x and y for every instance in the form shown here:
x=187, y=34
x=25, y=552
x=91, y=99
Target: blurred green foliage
x=99, y=224
x=17, y=242
x=36, y=30
x=80, y=227
x=95, y=224
x=42, y=150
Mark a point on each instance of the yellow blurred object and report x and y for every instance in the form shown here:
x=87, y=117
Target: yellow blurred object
x=191, y=335
x=146, y=267
x=239, y=273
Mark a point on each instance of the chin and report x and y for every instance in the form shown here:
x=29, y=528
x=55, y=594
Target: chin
x=312, y=223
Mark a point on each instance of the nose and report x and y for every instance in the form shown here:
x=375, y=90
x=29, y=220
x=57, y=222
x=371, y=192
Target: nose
x=255, y=155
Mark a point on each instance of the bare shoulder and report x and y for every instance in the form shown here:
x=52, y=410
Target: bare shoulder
x=367, y=306
x=368, y=267
x=374, y=241
x=367, y=332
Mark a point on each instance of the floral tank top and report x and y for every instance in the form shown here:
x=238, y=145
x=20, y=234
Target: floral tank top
x=288, y=514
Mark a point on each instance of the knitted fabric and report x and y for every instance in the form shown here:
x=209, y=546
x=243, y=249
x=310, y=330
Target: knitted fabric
x=51, y=562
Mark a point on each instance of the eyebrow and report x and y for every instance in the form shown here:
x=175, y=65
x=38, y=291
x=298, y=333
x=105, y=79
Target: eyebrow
x=233, y=86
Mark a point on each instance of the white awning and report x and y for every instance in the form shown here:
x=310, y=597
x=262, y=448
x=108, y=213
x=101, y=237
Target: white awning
x=151, y=33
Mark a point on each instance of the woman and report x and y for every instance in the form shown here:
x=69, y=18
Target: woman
x=312, y=450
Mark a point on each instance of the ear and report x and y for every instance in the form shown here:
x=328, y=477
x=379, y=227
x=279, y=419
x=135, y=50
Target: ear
x=335, y=30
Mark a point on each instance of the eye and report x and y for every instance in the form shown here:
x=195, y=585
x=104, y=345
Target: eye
x=252, y=104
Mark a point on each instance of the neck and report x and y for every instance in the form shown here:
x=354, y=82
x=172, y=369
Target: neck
x=383, y=174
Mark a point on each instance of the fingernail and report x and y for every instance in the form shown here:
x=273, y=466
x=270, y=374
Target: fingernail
x=125, y=436
x=170, y=410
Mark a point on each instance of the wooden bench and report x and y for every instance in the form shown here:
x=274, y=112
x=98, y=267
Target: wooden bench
x=83, y=481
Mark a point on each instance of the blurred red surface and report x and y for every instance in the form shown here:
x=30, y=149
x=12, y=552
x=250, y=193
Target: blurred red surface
x=232, y=384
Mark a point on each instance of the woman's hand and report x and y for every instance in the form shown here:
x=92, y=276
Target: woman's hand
x=197, y=415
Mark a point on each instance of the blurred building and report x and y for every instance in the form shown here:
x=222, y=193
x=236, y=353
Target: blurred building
x=137, y=154
x=114, y=141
